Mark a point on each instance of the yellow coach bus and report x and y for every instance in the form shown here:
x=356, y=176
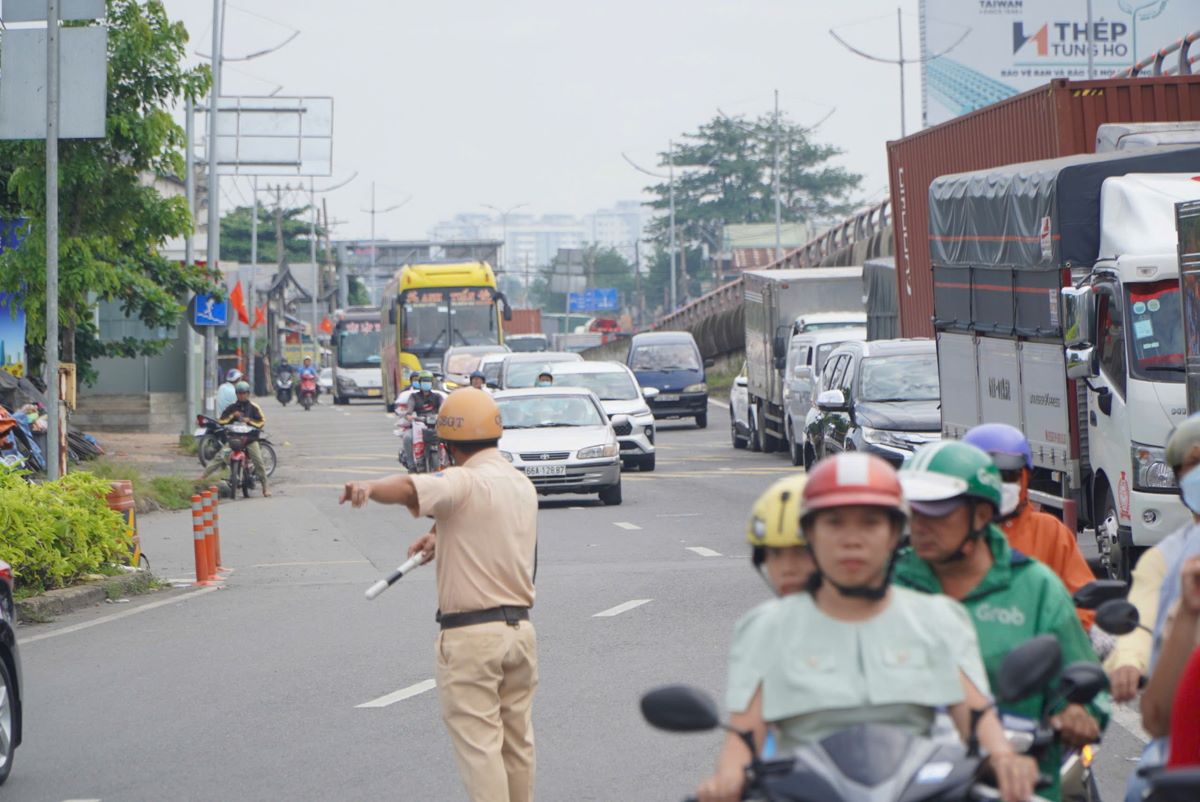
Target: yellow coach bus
x=427, y=308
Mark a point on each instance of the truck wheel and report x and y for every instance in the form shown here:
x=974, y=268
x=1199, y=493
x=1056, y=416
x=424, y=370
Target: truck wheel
x=1118, y=560
x=768, y=442
x=755, y=434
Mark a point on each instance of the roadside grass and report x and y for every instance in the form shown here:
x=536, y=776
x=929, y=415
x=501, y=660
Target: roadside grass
x=188, y=444
x=720, y=378
x=155, y=493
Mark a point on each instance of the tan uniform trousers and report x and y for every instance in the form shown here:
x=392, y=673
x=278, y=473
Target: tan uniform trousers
x=486, y=676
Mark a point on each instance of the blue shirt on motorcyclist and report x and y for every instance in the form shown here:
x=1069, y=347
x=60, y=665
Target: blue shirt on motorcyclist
x=306, y=369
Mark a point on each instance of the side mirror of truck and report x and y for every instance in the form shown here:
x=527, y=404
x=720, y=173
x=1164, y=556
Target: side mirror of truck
x=780, y=362
x=1079, y=312
x=832, y=401
x=741, y=381
x=780, y=343
x=1082, y=362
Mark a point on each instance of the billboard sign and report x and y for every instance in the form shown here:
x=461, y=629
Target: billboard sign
x=1014, y=45
x=600, y=300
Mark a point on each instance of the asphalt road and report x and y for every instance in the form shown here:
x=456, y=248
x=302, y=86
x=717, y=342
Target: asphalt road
x=285, y=683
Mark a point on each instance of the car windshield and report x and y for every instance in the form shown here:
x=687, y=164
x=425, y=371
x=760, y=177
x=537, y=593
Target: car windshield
x=673, y=356
x=524, y=374
x=613, y=385
x=1156, y=331
x=546, y=411
x=462, y=363
x=491, y=372
x=902, y=377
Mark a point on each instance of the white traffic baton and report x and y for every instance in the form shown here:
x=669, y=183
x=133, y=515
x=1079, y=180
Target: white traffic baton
x=379, y=587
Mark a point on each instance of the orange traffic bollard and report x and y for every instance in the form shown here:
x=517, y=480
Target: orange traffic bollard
x=210, y=547
x=216, y=527
x=198, y=544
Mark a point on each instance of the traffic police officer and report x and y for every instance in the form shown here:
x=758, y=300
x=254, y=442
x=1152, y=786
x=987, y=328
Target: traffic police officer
x=484, y=536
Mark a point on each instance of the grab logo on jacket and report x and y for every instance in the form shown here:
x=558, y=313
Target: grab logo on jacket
x=1010, y=616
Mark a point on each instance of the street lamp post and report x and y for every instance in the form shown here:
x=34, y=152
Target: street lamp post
x=373, y=211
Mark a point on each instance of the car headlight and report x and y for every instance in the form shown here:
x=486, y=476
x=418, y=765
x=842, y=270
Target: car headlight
x=506, y=455
x=596, y=452
x=696, y=388
x=882, y=437
x=1150, y=468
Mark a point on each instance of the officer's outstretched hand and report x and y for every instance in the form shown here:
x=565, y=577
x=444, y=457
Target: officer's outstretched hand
x=357, y=493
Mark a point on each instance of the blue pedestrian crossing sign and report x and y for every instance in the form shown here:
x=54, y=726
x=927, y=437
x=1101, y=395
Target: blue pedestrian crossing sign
x=210, y=311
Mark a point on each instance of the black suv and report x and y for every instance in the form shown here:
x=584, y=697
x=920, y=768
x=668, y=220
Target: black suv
x=880, y=397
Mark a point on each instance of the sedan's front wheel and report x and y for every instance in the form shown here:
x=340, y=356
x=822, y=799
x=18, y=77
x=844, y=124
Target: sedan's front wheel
x=611, y=495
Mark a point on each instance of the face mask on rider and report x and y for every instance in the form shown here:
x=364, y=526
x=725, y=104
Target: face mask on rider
x=1010, y=498
x=1189, y=490
x=426, y=386
x=542, y=383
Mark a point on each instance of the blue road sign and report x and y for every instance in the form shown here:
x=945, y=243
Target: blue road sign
x=210, y=312
x=602, y=300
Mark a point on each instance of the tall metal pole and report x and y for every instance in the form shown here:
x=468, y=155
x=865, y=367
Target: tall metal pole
x=316, y=276
x=671, y=180
x=778, y=202
x=54, y=424
x=253, y=274
x=372, y=233
x=213, y=250
x=1090, y=62
x=900, y=35
x=189, y=256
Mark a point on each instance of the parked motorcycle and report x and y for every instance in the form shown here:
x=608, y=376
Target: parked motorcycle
x=875, y=762
x=283, y=386
x=308, y=391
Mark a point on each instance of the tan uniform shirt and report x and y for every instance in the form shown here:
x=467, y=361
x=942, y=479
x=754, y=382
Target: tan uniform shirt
x=486, y=514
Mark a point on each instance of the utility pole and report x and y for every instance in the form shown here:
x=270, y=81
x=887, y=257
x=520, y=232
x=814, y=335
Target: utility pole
x=253, y=274
x=671, y=248
x=189, y=256
x=778, y=204
x=900, y=62
x=316, y=273
x=342, y=302
x=373, y=212
x=55, y=459
x=280, y=258
x=213, y=251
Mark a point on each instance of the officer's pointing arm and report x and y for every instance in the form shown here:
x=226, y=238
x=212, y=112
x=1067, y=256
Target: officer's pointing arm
x=398, y=489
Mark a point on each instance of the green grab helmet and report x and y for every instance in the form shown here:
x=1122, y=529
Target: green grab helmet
x=951, y=469
x=242, y=387
x=425, y=376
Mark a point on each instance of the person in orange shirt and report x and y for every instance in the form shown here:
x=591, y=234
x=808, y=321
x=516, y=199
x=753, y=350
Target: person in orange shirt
x=1030, y=531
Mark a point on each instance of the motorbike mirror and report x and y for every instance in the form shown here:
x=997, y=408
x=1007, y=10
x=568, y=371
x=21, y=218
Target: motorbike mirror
x=1175, y=785
x=680, y=708
x=1082, y=682
x=1095, y=593
x=1117, y=617
x=1028, y=668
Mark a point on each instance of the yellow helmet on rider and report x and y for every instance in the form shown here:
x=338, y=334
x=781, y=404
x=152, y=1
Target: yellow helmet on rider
x=775, y=518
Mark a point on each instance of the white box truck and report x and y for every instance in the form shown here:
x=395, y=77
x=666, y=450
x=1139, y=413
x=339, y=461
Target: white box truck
x=1057, y=310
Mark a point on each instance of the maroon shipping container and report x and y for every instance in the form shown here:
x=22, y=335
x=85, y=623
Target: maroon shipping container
x=525, y=321
x=1059, y=119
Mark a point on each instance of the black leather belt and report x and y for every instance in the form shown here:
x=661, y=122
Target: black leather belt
x=509, y=615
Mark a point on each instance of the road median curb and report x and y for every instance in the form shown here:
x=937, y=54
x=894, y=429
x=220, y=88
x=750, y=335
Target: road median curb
x=52, y=603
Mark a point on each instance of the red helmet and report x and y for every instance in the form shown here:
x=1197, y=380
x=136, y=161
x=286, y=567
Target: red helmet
x=853, y=480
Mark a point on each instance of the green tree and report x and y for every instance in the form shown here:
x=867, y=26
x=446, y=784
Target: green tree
x=358, y=292
x=113, y=222
x=235, y=235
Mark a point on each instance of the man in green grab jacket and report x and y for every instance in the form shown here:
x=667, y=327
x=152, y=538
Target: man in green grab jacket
x=954, y=490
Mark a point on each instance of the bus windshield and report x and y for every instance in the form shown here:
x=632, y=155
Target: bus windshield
x=358, y=343
x=1156, y=331
x=435, y=319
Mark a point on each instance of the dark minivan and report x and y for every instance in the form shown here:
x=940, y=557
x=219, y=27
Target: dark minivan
x=670, y=361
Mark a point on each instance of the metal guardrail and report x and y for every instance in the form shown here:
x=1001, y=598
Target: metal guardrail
x=833, y=247
x=1155, y=61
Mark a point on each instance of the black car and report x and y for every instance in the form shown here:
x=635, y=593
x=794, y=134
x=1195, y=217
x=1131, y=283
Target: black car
x=10, y=675
x=880, y=397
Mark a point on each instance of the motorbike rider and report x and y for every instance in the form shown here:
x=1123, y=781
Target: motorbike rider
x=422, y=401
x=308, y=369
x=804, y=662
x=777, y=544
x=243, y=410
x=226, y=394
x=544, y=379
x=478, y=380
x=484, y=539
x=1030, y=531
x=955, y=490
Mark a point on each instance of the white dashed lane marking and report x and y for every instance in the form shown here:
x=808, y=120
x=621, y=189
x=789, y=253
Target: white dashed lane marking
x=703, y=552
x=400, y=695
x=622, y=608
x=626, y=525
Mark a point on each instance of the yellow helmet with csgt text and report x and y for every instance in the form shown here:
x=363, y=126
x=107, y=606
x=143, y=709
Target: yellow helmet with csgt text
x=469, y=416
x=775, y=517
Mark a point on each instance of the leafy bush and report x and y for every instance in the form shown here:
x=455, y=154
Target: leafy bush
x=54, y=532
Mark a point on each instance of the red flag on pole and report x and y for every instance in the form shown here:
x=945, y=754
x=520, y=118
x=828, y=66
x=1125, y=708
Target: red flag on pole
x=239, y=303
x=260, y=317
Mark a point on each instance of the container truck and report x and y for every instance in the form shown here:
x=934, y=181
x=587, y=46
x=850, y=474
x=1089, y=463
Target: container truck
x=774, y=301
x=1059, y=119
x=1057, y=310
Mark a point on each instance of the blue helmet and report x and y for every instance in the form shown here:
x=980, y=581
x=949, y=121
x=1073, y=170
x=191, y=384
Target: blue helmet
x=1008, y=447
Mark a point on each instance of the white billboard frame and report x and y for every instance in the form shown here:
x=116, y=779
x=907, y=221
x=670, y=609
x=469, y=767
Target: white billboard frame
x=272, y=136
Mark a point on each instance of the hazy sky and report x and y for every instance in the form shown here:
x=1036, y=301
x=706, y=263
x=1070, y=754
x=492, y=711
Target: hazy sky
x=476, y=102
